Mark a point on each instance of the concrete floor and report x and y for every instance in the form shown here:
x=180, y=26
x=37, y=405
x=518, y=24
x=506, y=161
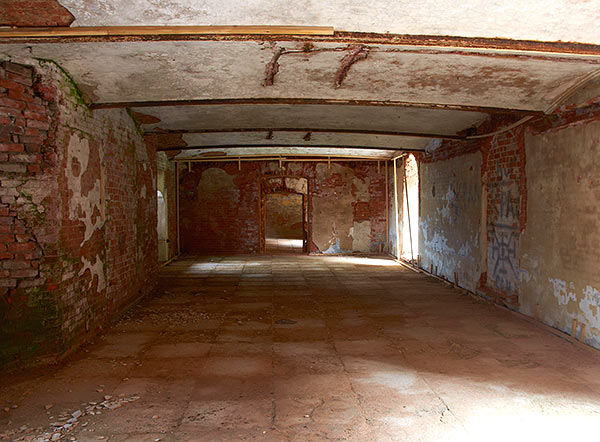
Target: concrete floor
x=283, y=246
x=307, y=348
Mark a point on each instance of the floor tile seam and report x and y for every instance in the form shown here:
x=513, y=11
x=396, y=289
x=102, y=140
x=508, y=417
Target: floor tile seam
x=420, y=375
x=355, y=394
x=273, y=373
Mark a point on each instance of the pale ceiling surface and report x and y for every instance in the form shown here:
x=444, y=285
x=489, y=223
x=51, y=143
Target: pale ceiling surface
x=309, y=116
x=139, y=73
x=549, y=20
x=186, y=70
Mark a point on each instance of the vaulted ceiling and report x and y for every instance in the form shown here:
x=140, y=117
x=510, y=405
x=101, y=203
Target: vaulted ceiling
x=393, y=75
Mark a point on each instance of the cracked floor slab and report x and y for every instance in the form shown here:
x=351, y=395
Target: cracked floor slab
x=289, y=347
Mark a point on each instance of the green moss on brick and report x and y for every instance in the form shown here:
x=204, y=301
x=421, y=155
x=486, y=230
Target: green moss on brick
x=30, y=325
x=73, y=90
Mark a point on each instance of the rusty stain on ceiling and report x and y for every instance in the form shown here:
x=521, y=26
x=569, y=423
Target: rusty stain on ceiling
x=462, y=63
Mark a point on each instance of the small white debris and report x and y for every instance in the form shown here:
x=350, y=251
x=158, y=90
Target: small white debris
x=60, y=429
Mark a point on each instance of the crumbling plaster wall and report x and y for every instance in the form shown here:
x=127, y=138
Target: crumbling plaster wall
x=559, y=247
x=78, y=214
x=489, y=218
x=450, y=223
x=536, y=216
x=219, y=206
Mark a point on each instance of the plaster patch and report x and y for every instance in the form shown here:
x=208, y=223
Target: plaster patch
x=560, y=291
x=439, y=244
x=300, y=185
x=362, y=188
x=96, y=269
x=333, y=212
x=361, y=236
x=590, y=304
x=334, y=247
x=82, y=207
x=143, y=192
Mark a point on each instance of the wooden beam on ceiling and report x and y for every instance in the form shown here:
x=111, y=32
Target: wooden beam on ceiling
x=294, y=33
x=313, y=101
x=309, y=130
x=108, y=31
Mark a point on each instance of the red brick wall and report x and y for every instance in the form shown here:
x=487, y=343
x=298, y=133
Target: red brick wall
x=504, y=179
x=34, y=13
x=503, y=174
x=29, y=214
x=78, y=214
x=219, y=204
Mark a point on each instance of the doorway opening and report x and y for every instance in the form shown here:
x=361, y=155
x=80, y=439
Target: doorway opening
x=283, y=223
x=162, y=228
x=410, y=210
x=284, y=229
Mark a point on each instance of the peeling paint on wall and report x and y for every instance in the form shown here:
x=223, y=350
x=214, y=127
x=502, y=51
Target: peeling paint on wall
x=590, y=305
x=300, y=185
x=340, y=199
x=71, y=271
x=558, y=247
x=83, y=206
x=333, y=213
x=450, y=226
x=361, y=236
x=560, y=291
x=97, y=271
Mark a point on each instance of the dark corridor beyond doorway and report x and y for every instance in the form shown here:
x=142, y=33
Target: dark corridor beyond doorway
x=284, y=223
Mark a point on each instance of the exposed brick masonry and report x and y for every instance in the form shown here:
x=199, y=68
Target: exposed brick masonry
x=27, y=13
x=77, y=214
x=219, y=205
